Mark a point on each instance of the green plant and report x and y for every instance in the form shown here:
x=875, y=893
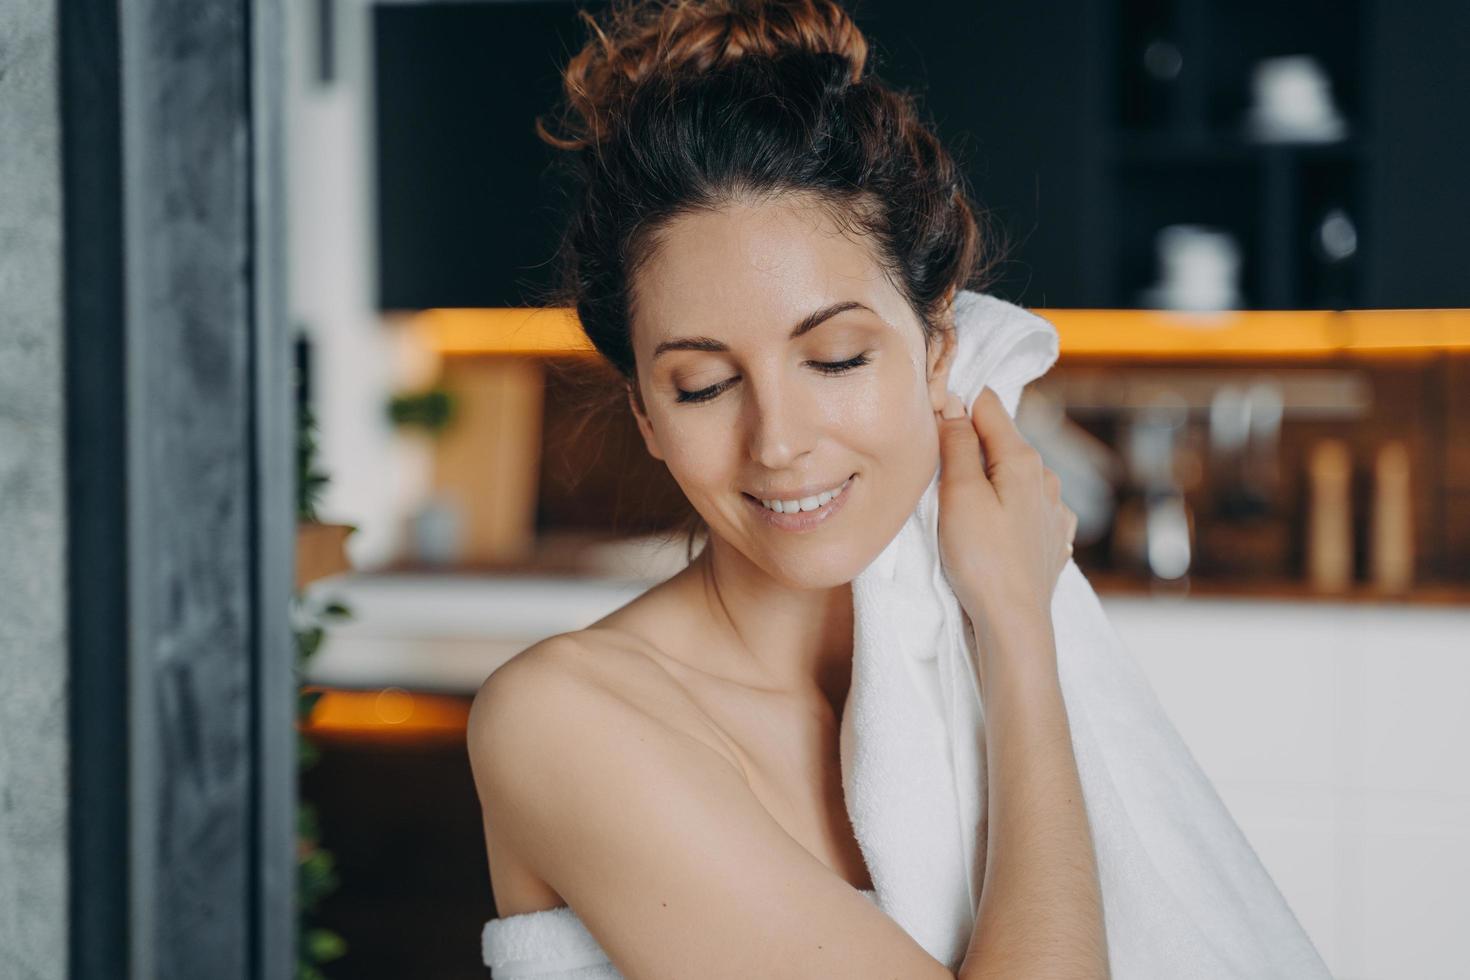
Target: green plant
x=310, y=482
x=315, y=867
x=431, y=410
x=316, y=872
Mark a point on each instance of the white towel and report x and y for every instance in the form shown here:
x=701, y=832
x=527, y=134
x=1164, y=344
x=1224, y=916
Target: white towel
x=1184, y=894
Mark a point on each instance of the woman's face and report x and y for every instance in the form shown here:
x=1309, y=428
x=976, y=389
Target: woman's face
x=777, y=362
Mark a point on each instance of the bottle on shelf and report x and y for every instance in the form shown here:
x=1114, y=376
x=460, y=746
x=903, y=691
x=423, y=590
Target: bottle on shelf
x=1329, y=517
x=1391, y=549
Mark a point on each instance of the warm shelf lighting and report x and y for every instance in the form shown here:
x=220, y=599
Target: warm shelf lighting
x=1259, y=333
x=515, y=330
x=1243, y=334
x=392, y=709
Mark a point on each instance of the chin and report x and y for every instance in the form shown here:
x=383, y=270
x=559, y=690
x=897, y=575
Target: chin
x=816, y=576
x=826, y=566
x=831, y=556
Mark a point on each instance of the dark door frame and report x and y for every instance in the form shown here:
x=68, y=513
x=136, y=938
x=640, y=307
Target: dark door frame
x=180, y=444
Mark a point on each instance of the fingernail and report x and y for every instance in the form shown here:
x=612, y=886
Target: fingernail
x=954, y=407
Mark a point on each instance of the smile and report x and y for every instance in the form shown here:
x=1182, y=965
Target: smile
x=805, y=503
x=803, y=513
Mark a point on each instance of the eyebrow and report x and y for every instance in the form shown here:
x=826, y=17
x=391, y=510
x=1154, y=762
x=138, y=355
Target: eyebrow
x=810, y=322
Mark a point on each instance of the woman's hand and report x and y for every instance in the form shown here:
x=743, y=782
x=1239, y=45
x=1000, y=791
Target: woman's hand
x=1004, y=533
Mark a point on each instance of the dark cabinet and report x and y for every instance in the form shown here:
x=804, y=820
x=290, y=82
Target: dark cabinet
x=1085, y=127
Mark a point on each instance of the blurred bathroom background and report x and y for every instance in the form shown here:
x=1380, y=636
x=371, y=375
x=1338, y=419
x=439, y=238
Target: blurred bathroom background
x=1248, y=222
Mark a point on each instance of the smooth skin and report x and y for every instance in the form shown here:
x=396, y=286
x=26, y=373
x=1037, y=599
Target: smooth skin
x=672, y=772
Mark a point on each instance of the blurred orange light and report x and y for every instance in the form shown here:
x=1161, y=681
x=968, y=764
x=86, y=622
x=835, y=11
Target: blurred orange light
x=394, y=706
x=389, y=710
x=517, y=330
x=1259, y=333
x=1167, y=334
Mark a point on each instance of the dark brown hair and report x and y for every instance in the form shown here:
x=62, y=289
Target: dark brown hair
x=677, y=106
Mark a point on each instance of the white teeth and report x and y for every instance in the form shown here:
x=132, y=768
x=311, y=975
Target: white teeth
x=805, y=503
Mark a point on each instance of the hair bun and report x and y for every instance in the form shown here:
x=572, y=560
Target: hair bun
x=647, y=39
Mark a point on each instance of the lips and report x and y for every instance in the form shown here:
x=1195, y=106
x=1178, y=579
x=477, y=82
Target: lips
x=801, y=500
x=806, y=520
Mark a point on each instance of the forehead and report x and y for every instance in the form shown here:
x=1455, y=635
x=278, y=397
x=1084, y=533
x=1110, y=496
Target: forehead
x=756, y=269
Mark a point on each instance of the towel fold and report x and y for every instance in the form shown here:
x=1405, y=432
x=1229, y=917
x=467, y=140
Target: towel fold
x=1184, y=894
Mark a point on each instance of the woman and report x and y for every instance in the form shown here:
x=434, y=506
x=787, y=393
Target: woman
x=767, y=246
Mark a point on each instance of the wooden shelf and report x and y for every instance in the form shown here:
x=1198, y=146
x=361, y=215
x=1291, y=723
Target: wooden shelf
x=1284, y=590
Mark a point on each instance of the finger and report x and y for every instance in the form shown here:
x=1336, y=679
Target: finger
x=1070, y=517
x=1053, y=484
x=959, y=449
x=999, y=436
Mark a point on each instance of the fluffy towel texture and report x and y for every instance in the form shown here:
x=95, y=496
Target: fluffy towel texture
x=1184, y=894
x=552, y=944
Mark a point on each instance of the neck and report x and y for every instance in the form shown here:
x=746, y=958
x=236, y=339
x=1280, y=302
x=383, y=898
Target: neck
x=797, y=641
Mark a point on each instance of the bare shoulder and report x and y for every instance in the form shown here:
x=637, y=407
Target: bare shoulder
x=555, y=680
x=652, y=837
x=571, y=664
x=593, y=699
x=577, y=705
x=551, y=684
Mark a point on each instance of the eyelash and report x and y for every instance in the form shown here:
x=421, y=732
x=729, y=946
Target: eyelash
x=827, y=367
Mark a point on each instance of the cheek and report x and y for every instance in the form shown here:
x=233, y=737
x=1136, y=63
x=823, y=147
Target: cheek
x=698, y=451
x=891, y=417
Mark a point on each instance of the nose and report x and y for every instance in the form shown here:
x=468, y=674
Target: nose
x=781, y=425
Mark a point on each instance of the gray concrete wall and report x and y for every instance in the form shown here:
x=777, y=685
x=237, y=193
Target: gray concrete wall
x=33, y=609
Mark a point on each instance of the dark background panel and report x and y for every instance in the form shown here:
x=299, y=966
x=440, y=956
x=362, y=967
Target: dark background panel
x=1419, y=59
x=1075, y=142
x=467, y=207
x=414, y=889
x=1016, y=92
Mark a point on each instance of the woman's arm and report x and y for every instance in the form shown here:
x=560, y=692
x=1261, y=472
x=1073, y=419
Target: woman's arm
x=1005, y=536
x=657, y=842
x=1041, y=908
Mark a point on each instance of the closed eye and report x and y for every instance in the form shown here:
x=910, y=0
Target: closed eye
x=826, y=367
x=838, y=367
